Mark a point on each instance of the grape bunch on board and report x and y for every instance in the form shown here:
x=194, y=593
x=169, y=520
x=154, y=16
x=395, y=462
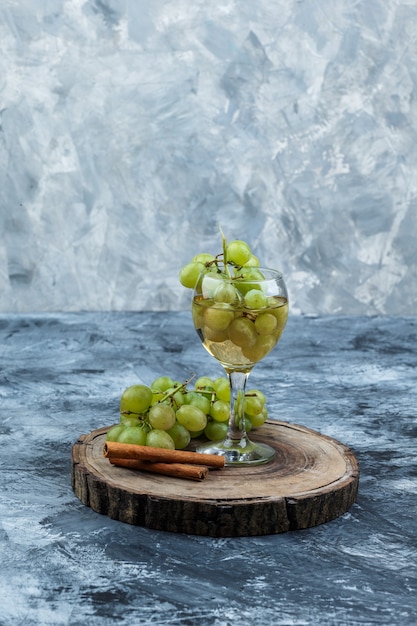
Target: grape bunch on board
x=168, y=413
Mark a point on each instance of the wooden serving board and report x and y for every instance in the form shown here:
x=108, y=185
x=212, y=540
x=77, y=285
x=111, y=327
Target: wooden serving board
x=312, y=480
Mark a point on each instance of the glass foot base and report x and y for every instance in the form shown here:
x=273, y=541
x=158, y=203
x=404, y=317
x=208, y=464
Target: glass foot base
x=239, y=453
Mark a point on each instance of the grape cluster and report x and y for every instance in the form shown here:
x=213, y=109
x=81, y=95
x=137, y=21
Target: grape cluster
x=236, y=254
x=236, y=319
x=168, y=414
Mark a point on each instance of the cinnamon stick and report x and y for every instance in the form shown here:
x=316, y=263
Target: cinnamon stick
x=115, y=450
x=178, y=470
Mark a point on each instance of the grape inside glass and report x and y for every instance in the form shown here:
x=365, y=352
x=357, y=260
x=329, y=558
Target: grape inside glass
x=239, y=319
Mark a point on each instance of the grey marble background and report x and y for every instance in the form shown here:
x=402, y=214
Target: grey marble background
x=129, y=129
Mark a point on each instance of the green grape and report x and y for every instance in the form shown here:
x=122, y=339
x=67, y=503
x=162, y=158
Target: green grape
x=203, y=257
x=248, y=425
x=215, y=431
x=220, y=411
x=191, y=417
x=131, y=420
x=218, y=317
x=136, y=399
x=157, y=396
x=190, y=274
x=242, y=332
x=211, y=281
x=176, y=397
x=255, y=299
x=198, y=315
x=133, y=434
x=196, y=399
x=238, y=252
x=259, y=419
x=161, y=416
x=253, y=261
x=194, y=434
x=204, y=382
x=160, y=439
x=266, y=323
x=180, y=436
x=248, y=274
x=227, y=293
x=215, y=335
x=259, y=394
x=252, y=405
x=247, y=279
x=114, y=432
x=222, y=389
x=162, y=383
x=260, y=348
x=280, y=312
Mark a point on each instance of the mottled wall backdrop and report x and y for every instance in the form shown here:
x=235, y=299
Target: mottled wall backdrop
x=129, y=129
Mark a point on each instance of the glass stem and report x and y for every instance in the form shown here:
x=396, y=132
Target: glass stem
x=237, y=428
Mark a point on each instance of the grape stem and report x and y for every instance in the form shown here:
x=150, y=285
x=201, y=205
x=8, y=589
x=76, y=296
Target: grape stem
x=215, y=262
x=224, y=246
x=174, y=390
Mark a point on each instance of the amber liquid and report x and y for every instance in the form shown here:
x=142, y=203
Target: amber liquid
x=239, y=337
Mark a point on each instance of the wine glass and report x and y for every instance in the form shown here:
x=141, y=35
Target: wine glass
x=239, y=318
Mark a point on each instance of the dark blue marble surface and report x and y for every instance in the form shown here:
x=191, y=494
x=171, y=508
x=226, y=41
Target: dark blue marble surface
x=354, y=379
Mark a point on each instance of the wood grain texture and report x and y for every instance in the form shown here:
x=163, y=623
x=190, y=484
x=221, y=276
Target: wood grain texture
x=312, y=480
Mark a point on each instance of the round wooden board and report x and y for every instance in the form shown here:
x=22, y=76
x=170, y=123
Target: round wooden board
x=312, y=480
